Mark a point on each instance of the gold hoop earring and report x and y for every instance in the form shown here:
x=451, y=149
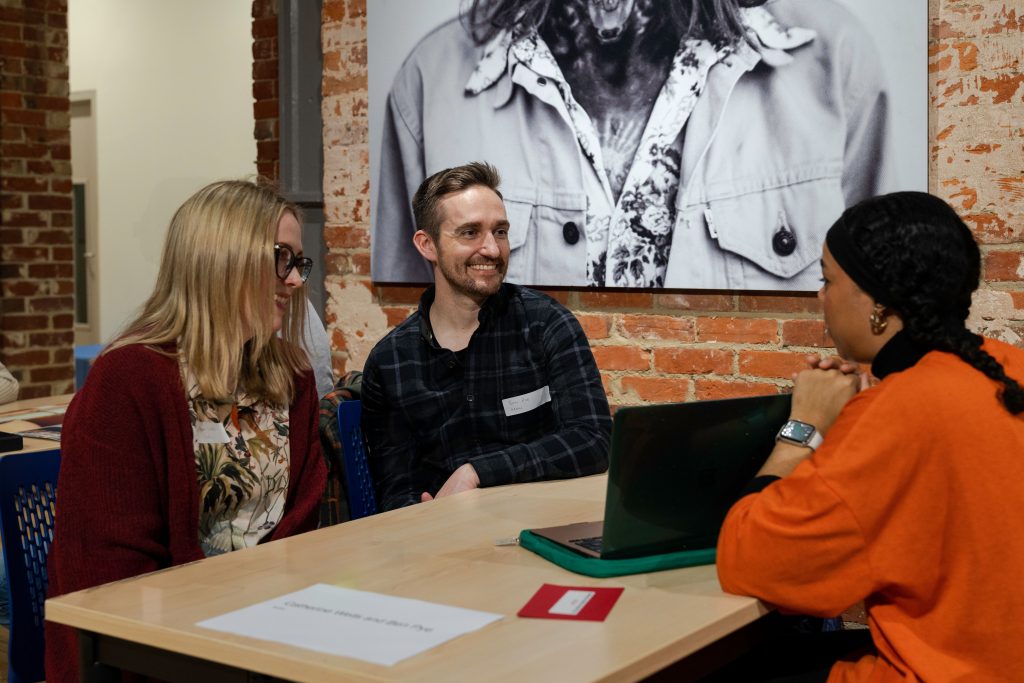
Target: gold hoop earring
x=878, y=320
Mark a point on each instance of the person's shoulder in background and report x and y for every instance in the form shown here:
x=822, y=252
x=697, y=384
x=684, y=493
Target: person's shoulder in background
x=8, y=386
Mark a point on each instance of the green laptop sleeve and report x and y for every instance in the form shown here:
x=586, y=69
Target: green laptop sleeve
x=595, y=566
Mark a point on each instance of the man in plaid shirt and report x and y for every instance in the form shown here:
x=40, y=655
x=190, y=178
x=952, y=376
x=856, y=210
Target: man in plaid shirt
x=487, y=383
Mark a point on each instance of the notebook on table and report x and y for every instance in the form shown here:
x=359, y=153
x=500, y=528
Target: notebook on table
x=674, y=471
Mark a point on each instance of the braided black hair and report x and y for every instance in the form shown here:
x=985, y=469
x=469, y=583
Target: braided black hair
x=926, y=260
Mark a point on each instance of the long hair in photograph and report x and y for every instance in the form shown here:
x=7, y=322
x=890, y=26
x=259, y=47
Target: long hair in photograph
x=214, y=295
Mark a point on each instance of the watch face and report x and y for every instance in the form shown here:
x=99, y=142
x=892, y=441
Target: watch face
x=797, y=431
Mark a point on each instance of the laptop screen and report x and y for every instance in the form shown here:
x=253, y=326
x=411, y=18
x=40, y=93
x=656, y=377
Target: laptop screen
x=676, y=469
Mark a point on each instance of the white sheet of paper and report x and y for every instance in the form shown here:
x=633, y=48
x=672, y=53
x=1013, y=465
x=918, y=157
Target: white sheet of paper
x=377, y=628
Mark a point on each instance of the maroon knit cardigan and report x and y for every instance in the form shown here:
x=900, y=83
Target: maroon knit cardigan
x=128, y=492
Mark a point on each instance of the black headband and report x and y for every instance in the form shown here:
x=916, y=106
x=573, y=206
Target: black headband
x=853, y=263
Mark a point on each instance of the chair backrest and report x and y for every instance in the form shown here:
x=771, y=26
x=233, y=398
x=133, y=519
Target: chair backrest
x=28, y=492
x=358, y=482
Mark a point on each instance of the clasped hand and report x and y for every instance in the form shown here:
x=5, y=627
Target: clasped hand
x=821, y=391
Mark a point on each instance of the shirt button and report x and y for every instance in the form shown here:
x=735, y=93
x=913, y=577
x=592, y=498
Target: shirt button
x=570, y=233
x=784, y=242
x=470, y=397
x=542, y=81
x=451, y=364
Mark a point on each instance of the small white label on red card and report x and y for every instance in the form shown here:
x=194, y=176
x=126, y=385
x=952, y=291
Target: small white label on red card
x=571, y=602
x=210, y=432
x=524, y=403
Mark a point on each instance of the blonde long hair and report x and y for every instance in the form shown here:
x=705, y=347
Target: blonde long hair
x=214, y=295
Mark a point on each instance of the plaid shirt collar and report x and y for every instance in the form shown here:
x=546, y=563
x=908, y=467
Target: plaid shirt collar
x=494, y=305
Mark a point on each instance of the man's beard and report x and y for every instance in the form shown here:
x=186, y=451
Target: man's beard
x=464, y=283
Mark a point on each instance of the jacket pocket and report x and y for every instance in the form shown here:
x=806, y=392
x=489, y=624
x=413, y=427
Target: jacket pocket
x=780, y=229
x=547, y=242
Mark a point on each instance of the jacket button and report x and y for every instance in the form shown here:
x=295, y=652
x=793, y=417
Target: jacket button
x=470, y=397
x=542, y=81
x=784, y=241
x=570, y=233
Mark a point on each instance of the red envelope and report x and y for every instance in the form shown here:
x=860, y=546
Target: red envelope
x=571, y=602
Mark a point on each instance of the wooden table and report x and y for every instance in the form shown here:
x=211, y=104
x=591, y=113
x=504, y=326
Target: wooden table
x=443, y=552
x=51, y=405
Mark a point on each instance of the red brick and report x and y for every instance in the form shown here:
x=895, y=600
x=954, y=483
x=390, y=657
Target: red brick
x=25, y=117
x=61, y=219
x=26, y=255
x=657, y=389
x=24, y=184
x=396, y=314
x=781, y=364
x=264, y=48
x=264, y=70
x=615, y=300
x=11, y=305
x=356, y=8
x=594, y=325
x=665, y=327
x=608, y=383
x=693, y=361
x=46, y=103
x=63, y=355
x=622, y=358
x=63, y=254
x=64, y=322
x=346, y=237
x=50, y=237
x=361, y=264
x=805, y=333
x=737, y=330
x=12, y=236
x=23, y=358
x=66, y=338
x=399, y=294
x=265, y=109
x=34, y=391
x=333, y=11
x=763, y=303
x=1004, y=266
x=268, y=150
x=22, y=287
x=50, y=270
x=696, y=302
x=264, y=27
x=52, y=374
x=59, y=185
x=50, y=201
x=22, y=219
x=708, y=389
x=49, y=304
x=18, y=323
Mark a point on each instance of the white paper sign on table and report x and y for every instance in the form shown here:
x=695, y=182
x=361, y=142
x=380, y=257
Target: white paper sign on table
x=377, y=628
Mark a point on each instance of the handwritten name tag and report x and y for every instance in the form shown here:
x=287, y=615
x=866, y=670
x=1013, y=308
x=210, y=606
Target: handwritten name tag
x=524, y=403
x=209, y=432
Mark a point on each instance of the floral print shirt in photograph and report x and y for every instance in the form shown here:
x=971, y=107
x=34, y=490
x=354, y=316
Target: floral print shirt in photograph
x=628, y=241
x=242, y=457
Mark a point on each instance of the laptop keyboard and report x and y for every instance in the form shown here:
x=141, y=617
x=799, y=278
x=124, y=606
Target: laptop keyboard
x=592, y=543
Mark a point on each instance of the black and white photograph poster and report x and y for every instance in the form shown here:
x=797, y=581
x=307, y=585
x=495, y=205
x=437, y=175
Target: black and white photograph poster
x=684, y=144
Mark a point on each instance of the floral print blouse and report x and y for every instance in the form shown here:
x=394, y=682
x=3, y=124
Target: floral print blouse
x=242, y=457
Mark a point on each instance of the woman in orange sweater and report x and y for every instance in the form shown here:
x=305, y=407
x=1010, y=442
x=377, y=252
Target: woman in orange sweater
x=912, y=502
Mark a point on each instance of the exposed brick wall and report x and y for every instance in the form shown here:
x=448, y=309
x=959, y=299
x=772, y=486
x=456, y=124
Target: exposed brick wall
x=36, y=234
x=265, y=87
x=676, y=346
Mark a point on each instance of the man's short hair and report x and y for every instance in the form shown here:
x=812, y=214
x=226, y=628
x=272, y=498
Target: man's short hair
x=434, y=188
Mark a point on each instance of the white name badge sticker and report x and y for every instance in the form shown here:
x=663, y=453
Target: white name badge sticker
x=571, y=602
x=524, y=403
x=210, y=432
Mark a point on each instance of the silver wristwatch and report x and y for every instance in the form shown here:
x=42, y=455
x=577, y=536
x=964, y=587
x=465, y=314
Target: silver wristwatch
x=800, y=433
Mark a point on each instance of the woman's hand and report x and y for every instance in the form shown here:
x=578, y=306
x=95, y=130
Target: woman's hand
x=820, y=394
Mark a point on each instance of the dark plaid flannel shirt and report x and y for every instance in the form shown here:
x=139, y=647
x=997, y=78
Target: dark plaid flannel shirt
x=428, y=410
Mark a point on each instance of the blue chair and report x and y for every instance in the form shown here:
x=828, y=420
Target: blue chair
x=28, y=492
x=362, y=502
x=84, y=356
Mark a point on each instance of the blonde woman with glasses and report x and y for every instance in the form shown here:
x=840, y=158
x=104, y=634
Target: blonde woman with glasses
x=196, y=432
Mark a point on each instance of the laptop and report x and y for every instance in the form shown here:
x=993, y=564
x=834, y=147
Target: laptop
x=674, y=471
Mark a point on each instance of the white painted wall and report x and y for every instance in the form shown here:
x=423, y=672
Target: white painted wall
x=173, y=84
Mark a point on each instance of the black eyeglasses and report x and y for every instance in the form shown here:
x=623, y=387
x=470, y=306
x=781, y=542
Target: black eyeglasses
x=285, y=259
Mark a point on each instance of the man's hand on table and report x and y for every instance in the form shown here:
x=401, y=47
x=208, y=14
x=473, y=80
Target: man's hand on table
x=462, y=479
